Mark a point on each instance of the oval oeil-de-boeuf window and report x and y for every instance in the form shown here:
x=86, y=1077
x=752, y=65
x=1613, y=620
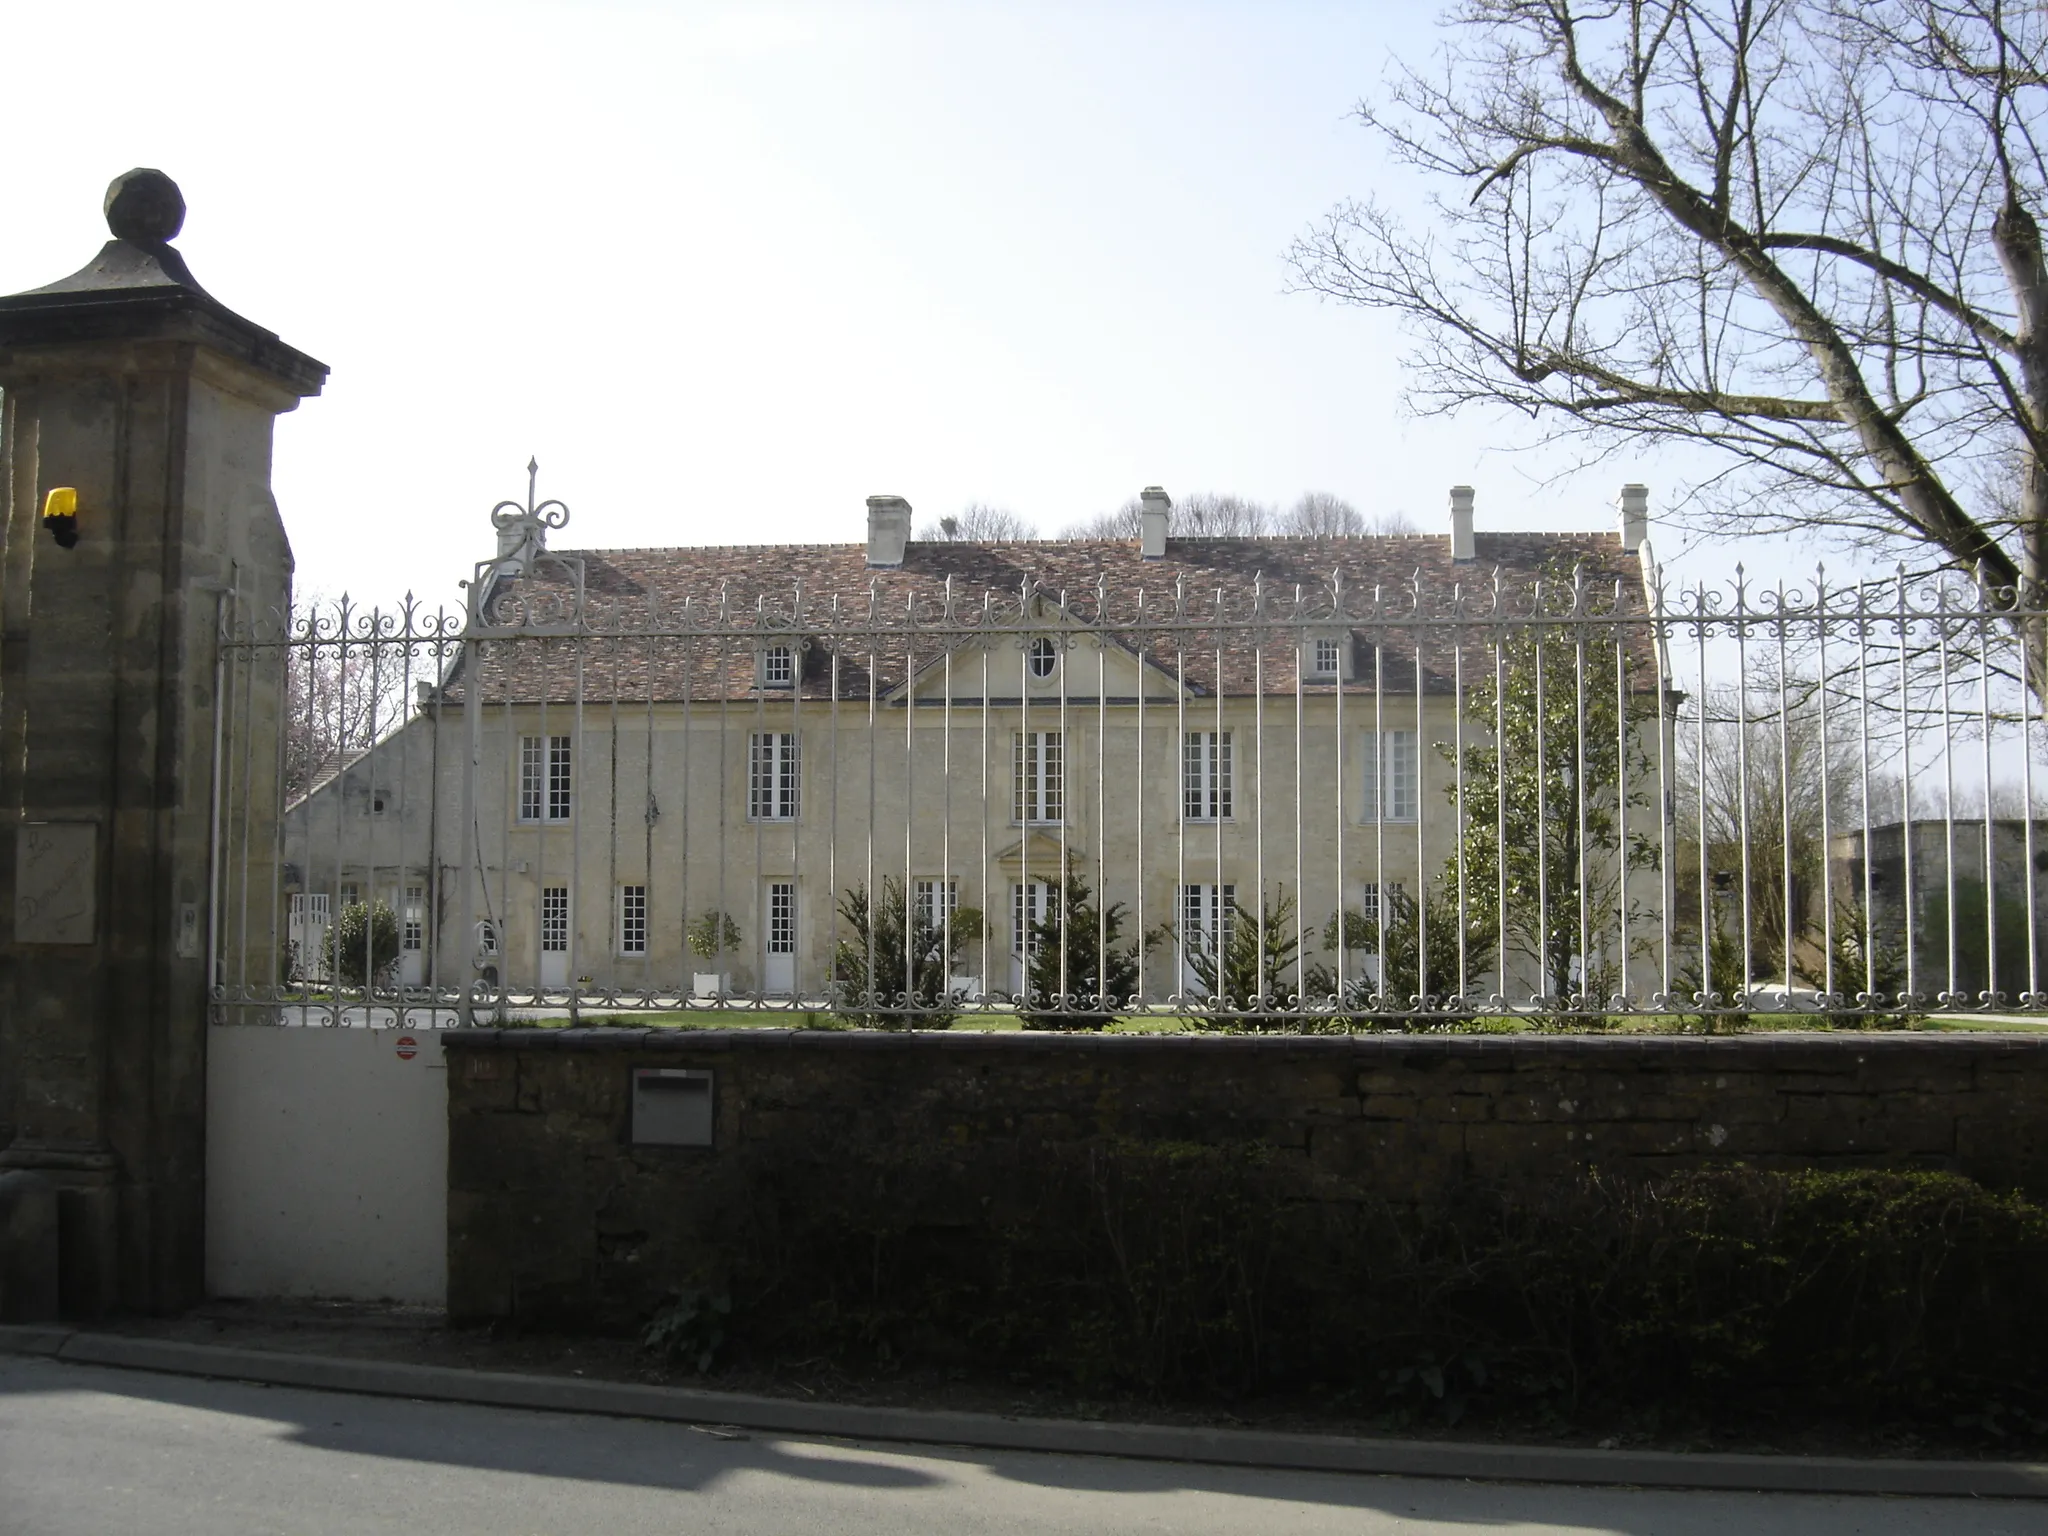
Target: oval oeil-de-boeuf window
x=1044, y=656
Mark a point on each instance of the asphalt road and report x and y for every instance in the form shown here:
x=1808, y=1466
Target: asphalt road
x=87, y=1451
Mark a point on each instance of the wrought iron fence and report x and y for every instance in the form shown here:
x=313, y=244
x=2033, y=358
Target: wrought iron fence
x=1545, y=795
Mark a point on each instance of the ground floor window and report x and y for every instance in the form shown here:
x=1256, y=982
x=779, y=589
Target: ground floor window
x=554, y=919
x=1030, y=902
x=632, y=919
x=782, y=917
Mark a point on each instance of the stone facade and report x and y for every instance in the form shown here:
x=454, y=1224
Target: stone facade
x=897, y=753
x=130, y=386
x=555, y=1214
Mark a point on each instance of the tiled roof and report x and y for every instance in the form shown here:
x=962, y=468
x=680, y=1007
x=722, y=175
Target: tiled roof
x=666, y=623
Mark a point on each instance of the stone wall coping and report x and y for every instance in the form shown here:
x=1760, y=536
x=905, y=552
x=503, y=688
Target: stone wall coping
x=1776, y=1045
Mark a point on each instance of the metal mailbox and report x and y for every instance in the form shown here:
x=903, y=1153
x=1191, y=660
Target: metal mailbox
x=671, y=1107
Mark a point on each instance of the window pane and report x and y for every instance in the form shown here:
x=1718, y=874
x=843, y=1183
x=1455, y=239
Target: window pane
x=632, y=919
x=1205, y=776
x=529, y=778
x=558, y=778
x=1403, y=776
x=1392, y=774
x=773, y=777
x=554, y=918
x=1037, y=771
x=782, y=917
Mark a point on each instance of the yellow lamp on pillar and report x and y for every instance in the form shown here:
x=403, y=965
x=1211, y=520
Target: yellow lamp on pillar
x=60, y=516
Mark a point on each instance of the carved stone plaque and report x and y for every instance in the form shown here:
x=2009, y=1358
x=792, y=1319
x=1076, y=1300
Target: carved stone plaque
x=54, y=882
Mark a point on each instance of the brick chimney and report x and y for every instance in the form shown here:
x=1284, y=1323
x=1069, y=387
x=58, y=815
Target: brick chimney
x=1155, y=507
x=888, y=529
x=1461, y=523
x=1635, y=516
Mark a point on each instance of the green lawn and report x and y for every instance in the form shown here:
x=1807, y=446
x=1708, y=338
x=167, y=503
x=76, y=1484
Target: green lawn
x=1168, y=1024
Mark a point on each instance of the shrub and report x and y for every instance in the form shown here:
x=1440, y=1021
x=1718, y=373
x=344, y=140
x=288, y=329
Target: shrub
x=1244, y=971
x=1096, y=972
x=1399, y=949
x=365, y=943
x=892, y=973
x=714, y=933
x=1170, y=1269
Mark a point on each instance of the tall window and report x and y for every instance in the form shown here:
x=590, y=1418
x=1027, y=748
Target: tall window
x=632, y=919
x=778, y=667
x=772, y=793
x=1030, y=902
x=415, y=933
x=1038, y=777
x=1205, y=912
x=1393, y=776
x=1205, y=776
x=544, y=784
x=937, y=900
x=782, y=917
x=554, y=918
x=1369, y=898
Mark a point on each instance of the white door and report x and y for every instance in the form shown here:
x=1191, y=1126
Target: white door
x=1029, y=903
x=779, y=972
x=1205, y=925
x=307, y=931
x=554, y=937
x=412, y=951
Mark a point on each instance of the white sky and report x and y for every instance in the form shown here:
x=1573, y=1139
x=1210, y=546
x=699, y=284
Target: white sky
x=729, y=269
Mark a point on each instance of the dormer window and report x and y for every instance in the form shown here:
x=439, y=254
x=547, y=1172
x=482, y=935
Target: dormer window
x=1326, y=657
x=778, y=667
x=1043, y=657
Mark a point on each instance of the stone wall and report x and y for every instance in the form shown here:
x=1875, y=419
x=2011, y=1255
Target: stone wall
x=554, y=1215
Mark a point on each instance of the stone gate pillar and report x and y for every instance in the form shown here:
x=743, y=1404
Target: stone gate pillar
x=132, y=386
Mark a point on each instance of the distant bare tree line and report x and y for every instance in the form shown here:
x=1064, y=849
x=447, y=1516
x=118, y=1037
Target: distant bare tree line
x=1201, y=514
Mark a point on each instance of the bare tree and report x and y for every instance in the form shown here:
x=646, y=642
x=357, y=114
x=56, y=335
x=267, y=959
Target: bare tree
x=1214, y=515
x=1755, y=788
x=345, y=686
x=1123, y=523
x=979, y=523
x=1800, y=235
x=1323, y=514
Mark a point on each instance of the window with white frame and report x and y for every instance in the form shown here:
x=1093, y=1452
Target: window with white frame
x=1205, y=914
x=351, y=894
x=936, y=901
x=778, y=666
x=1038, y=797
x=1326, y=656
x=1393, y=776
x=554, y=918
x=415, y=933
x=1030, y=902
x=632, y=920
x=1043, y=656
x=1369, y=899
x=544, y=778
x=781, y=917
x=773, y=776
x=1205, y=774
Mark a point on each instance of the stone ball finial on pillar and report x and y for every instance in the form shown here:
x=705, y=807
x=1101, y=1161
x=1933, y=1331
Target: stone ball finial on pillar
x=144, y=206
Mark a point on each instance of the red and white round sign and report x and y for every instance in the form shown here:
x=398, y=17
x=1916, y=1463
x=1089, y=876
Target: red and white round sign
x=407, y=1047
